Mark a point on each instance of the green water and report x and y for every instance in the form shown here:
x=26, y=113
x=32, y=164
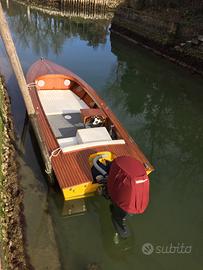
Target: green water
x=160, y=105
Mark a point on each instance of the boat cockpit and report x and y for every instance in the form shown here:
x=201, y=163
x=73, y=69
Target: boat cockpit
x=75, y=119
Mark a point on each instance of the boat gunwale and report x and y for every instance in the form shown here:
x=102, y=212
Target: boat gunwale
x=102, y=105
x=130, y=145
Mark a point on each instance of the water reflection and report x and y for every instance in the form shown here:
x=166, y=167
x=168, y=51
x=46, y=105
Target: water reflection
x=161, y=107
x=165, y=108
x=92, y=9
x=43, y=33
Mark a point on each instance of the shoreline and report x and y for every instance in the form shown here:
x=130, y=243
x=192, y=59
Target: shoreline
x=173, y=33
x=13, y=242
x=91, y=14
x=161, y=36
x=162, y=52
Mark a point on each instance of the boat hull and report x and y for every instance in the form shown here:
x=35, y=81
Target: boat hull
x=72, y=168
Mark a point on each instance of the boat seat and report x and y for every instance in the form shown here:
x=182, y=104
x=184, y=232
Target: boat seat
x=60, y=102
x=65, y=125
x=96, y=134
x=90, y=144
x=65, y=142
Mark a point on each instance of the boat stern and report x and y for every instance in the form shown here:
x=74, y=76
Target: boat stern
x=80, y=191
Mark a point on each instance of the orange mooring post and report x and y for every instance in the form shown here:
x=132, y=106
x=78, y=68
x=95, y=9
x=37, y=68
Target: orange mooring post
x=14, y=60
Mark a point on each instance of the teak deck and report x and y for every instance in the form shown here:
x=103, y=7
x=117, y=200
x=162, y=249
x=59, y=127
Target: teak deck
x=72, y=169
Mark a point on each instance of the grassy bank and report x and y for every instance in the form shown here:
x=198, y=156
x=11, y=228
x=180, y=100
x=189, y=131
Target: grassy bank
x=13, y=254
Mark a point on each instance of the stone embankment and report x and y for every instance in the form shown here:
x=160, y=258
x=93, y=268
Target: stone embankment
x=176, y=33
x=12, y=240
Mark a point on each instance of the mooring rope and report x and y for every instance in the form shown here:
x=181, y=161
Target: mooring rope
x=54, y=153
x=30, y=85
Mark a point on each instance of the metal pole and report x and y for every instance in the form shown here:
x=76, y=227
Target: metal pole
x=15, y=63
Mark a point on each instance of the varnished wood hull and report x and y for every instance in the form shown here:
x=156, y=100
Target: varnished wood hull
x=72, y=169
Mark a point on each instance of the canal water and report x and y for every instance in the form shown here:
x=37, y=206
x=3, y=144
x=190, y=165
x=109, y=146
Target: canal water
x=159, y=103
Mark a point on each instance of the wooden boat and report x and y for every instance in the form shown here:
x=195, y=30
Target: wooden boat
x=66, y=109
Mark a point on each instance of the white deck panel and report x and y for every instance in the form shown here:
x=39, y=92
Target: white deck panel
x=96, y=134
x=60, y=102
x=78, y=147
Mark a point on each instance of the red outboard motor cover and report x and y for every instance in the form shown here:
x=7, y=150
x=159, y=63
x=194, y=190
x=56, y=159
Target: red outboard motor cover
x=128, y=185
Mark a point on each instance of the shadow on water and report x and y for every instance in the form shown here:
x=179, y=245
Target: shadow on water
x=161, y=107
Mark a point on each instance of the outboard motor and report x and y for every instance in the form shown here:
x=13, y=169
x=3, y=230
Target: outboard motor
x=125, y=182
x=128, y=189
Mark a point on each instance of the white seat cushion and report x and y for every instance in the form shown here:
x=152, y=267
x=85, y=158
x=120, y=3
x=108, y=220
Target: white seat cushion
x=96, y=134
x=65, y=142
x=60, y=102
